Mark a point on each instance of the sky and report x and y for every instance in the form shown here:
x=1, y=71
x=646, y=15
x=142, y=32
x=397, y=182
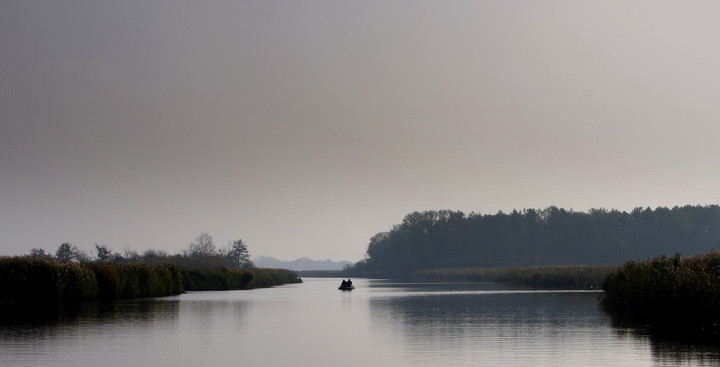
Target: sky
x=306, y=127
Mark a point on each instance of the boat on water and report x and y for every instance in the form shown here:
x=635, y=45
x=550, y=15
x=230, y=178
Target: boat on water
x=346, y=285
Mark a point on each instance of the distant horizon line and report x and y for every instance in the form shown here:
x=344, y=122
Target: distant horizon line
x=301, y=258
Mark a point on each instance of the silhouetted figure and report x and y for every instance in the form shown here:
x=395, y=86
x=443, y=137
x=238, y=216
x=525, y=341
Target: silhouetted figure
x=349, y=283
x=343, y=284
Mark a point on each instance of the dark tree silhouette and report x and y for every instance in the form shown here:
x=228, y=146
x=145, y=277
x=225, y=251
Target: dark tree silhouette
x=67, y=252
x=552, y=236
x=238, y=255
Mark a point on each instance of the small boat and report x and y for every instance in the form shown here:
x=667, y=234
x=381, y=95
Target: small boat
x=346, y=286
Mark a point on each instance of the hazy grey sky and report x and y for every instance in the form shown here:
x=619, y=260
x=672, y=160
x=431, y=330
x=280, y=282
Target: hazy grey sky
x=305, y=127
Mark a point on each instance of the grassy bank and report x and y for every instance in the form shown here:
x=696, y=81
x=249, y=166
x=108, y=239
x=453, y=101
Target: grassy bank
x=667, y=290
x=548, y=277
x=35, y=279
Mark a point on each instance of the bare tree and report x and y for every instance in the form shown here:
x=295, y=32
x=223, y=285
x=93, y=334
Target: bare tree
x=83, y=256
x=203, y=246
x=130, y=254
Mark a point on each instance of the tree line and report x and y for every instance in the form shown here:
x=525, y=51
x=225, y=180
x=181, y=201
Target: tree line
x=548, y=237
x=201, y=253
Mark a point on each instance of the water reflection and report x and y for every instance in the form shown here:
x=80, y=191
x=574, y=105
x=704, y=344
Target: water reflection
x=466, y=322
x=134, y=332
x=670, y=351
x=673, y=346
x=20, y=318
x=313, y=324
x=491, y=327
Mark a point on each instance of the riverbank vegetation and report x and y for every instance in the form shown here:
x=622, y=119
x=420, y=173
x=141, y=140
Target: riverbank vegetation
x=221, y=279
x=547, y=277
x=531, y=238
x=72, y=275
x=29, y=279
x=666, y=290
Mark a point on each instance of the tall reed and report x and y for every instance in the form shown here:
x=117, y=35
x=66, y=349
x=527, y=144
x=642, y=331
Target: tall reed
x=667, y=289
x=224, y=278
x=35, y=279
x=136, y=280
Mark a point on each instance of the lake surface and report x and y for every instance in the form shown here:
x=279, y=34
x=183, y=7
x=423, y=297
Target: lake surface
x=380, y=323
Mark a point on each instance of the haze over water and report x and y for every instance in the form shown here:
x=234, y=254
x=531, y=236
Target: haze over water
x=380, y=323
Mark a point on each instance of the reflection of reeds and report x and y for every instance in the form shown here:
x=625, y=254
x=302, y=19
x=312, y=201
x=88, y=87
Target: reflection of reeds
x=668, y=289
x=546, y=277
x=35, y=279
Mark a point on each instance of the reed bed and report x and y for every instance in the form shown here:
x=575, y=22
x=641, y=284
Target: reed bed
x=670, y=290
x=217, y=279
x=135, y=280
x=34, y=279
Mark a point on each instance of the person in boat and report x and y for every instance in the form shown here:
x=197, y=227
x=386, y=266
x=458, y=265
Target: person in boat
x=349, y=283
x=343, y=284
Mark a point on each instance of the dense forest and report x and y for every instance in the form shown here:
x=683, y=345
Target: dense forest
x=553, y=236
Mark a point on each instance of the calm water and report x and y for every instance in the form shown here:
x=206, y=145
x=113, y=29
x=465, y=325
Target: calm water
x=381, y=323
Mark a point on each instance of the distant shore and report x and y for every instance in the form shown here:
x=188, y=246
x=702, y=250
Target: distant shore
x=539, y=277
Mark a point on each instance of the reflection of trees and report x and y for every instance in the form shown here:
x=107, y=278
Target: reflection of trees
x=475, y=308
x=673, y=346
x=463, y=325
x=675, y=351
x=133, y=332
x=119, y=314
